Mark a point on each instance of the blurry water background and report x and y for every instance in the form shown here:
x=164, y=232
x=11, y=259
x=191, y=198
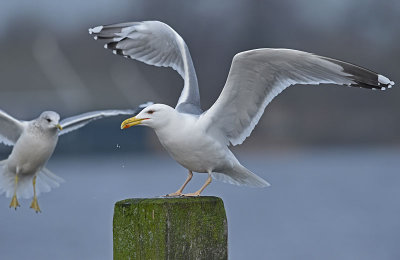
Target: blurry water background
x=331, y=153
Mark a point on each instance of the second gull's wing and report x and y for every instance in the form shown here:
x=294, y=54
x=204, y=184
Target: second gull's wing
x=75, y=122
x=10, y=129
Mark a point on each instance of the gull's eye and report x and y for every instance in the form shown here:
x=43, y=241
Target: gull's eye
x=150, y=112
x=48, y=120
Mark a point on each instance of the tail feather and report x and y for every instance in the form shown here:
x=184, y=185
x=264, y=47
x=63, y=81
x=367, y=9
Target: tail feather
x=45, y=181
x=239, y=175
x=6, y=180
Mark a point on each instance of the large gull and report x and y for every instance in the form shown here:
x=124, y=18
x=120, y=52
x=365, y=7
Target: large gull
x=33, y=144
x=199, y=140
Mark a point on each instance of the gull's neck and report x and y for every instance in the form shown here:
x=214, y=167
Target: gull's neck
x=38, y=129
x=177, y=123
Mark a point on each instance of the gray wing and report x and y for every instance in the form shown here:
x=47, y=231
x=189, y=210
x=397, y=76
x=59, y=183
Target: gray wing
x=155, y=43
x=10, y=129
x=75, y=122
x=257, y=76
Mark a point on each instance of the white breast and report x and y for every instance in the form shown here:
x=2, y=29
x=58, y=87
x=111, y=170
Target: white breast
x=190, y=146
x=32, y=151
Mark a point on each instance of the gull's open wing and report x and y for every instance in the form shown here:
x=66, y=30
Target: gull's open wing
x=155, y=43
x=75, y=122
x=10, y=129
x=257, y=76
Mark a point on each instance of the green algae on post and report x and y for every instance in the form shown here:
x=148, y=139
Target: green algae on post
x=170, y=228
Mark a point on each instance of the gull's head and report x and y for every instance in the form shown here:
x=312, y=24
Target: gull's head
x=49, y=120
x=154, y=116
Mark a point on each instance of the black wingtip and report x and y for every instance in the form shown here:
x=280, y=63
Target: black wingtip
x=381, y=83
x=114, y=47
x=111, y=45
x=384, y=82
x=363, y=77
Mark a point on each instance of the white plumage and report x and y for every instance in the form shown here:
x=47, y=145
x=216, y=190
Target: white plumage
x=199, y=141
x=34, y=142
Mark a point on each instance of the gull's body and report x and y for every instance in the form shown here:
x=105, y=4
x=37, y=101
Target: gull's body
x=22, y=160
x=185, y=142
x=199, y=140
x=33, y=144
x=185, y=138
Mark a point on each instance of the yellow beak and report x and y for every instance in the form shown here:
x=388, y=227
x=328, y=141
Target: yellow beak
x=59, y=127
x=131, y=122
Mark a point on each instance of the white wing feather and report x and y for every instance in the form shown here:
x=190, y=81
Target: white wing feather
x=75, y=122
x=155, y=43
x=10, y=129
x=257, y=76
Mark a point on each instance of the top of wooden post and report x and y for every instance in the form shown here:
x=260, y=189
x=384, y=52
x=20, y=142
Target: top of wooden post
x=170, y=228
x=168, y=200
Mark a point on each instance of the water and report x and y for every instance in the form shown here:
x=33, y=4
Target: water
x=323, y=204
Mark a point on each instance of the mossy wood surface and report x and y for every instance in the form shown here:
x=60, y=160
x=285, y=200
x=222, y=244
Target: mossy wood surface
x=170, y=228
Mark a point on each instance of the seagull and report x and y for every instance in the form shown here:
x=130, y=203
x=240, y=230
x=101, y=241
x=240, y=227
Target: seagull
x=33, y=144
x=198, y=140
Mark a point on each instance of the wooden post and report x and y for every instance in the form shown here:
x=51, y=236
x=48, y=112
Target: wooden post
x=170, y=228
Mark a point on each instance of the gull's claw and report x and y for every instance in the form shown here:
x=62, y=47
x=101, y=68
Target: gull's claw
x=174, y=194
x=178, y=193
x=14, y=202
x=197, y=193
x=194, y=194
x=35, y=205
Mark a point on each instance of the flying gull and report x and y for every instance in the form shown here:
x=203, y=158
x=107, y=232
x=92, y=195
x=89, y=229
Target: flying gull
x=34, y=142
x=199, y=140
